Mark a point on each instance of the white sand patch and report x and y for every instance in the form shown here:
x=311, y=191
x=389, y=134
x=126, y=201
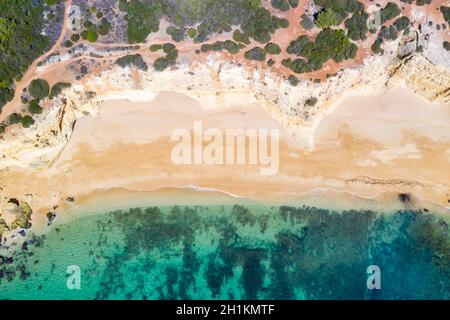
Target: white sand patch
x=409, y=151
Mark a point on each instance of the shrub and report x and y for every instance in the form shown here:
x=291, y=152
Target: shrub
x=293, y=80
x=172, y=56
x=161, y=64
x=231, y=47
x=155, y=47
x=21, y=41
x=34, y=107
x=446, y=13
x=142, y=19
x=91, y=36
x=307, y=22
x=354, y=6
x=312, y=101
x=104, y=27
x=262, y=24
x=357, y=26
x=388, y=33
x=168, y=47
x=446, y=45
x=280, y=5
x=327, y=18
x=132, y=60
x=240, y=37
x=402, y=23
x=39, y=88
x=52, y=2
x=176, y=34
x=390, y=11
x=329, y=44
x=57, y=88
x=68, y=44
x=87, y=24
x=256, y=53
x=75, y=37
x=2, y=129
x=15, y=118
x=192, y=33
x=376, y=47
x=300, y=66
x=297, y=46
x=27, y=121
x=293, y=3
x=272, y=48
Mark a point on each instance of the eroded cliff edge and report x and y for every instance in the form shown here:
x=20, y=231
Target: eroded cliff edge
x=219, y=84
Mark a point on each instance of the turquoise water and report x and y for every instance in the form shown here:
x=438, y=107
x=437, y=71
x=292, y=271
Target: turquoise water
x=235, y=252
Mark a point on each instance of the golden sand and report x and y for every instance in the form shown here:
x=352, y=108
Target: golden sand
x=367, y=152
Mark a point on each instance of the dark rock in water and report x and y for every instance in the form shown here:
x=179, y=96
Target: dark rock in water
x=22, y=233
x=50, y=217
x=25, y=246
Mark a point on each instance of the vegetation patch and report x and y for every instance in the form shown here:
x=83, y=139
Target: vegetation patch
x=357, y=26
x=57, y=88
x=34, y=107
x=446, y=13
x=390, y=11
x=272, y=48
x=171, y=57
x=200, y=19
x=21, y=42
x=39, y=88
x=329, y=44
x=312, y=101
x=230, y=46
x=132, y=60
x=284, y=5
x=256, y=53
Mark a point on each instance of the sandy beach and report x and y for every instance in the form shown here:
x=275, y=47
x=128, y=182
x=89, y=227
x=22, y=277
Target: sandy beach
x=124, y=154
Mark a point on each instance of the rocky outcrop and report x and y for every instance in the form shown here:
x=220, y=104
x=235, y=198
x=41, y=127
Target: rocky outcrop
x=218, y=84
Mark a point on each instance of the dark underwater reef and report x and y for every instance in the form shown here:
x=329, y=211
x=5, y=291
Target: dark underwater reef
x=236, y=252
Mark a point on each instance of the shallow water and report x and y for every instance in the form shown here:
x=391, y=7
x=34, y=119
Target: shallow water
x=236, y=252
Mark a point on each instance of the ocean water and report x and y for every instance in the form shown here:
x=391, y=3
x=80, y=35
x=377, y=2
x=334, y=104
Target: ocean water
x=233, y=252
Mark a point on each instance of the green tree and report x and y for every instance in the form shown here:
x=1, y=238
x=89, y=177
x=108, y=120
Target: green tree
x=327, y=18
x=256, y=53
x=57, y=88
x=15, y=118
x=161, y=64
x=91, y=36
x=27, y=121
x=39, y=88
x=272, y=48
x=34, y=107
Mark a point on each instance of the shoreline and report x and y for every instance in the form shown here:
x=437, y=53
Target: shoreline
x=221, y=88
x=100, y=202
x=127, y=147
